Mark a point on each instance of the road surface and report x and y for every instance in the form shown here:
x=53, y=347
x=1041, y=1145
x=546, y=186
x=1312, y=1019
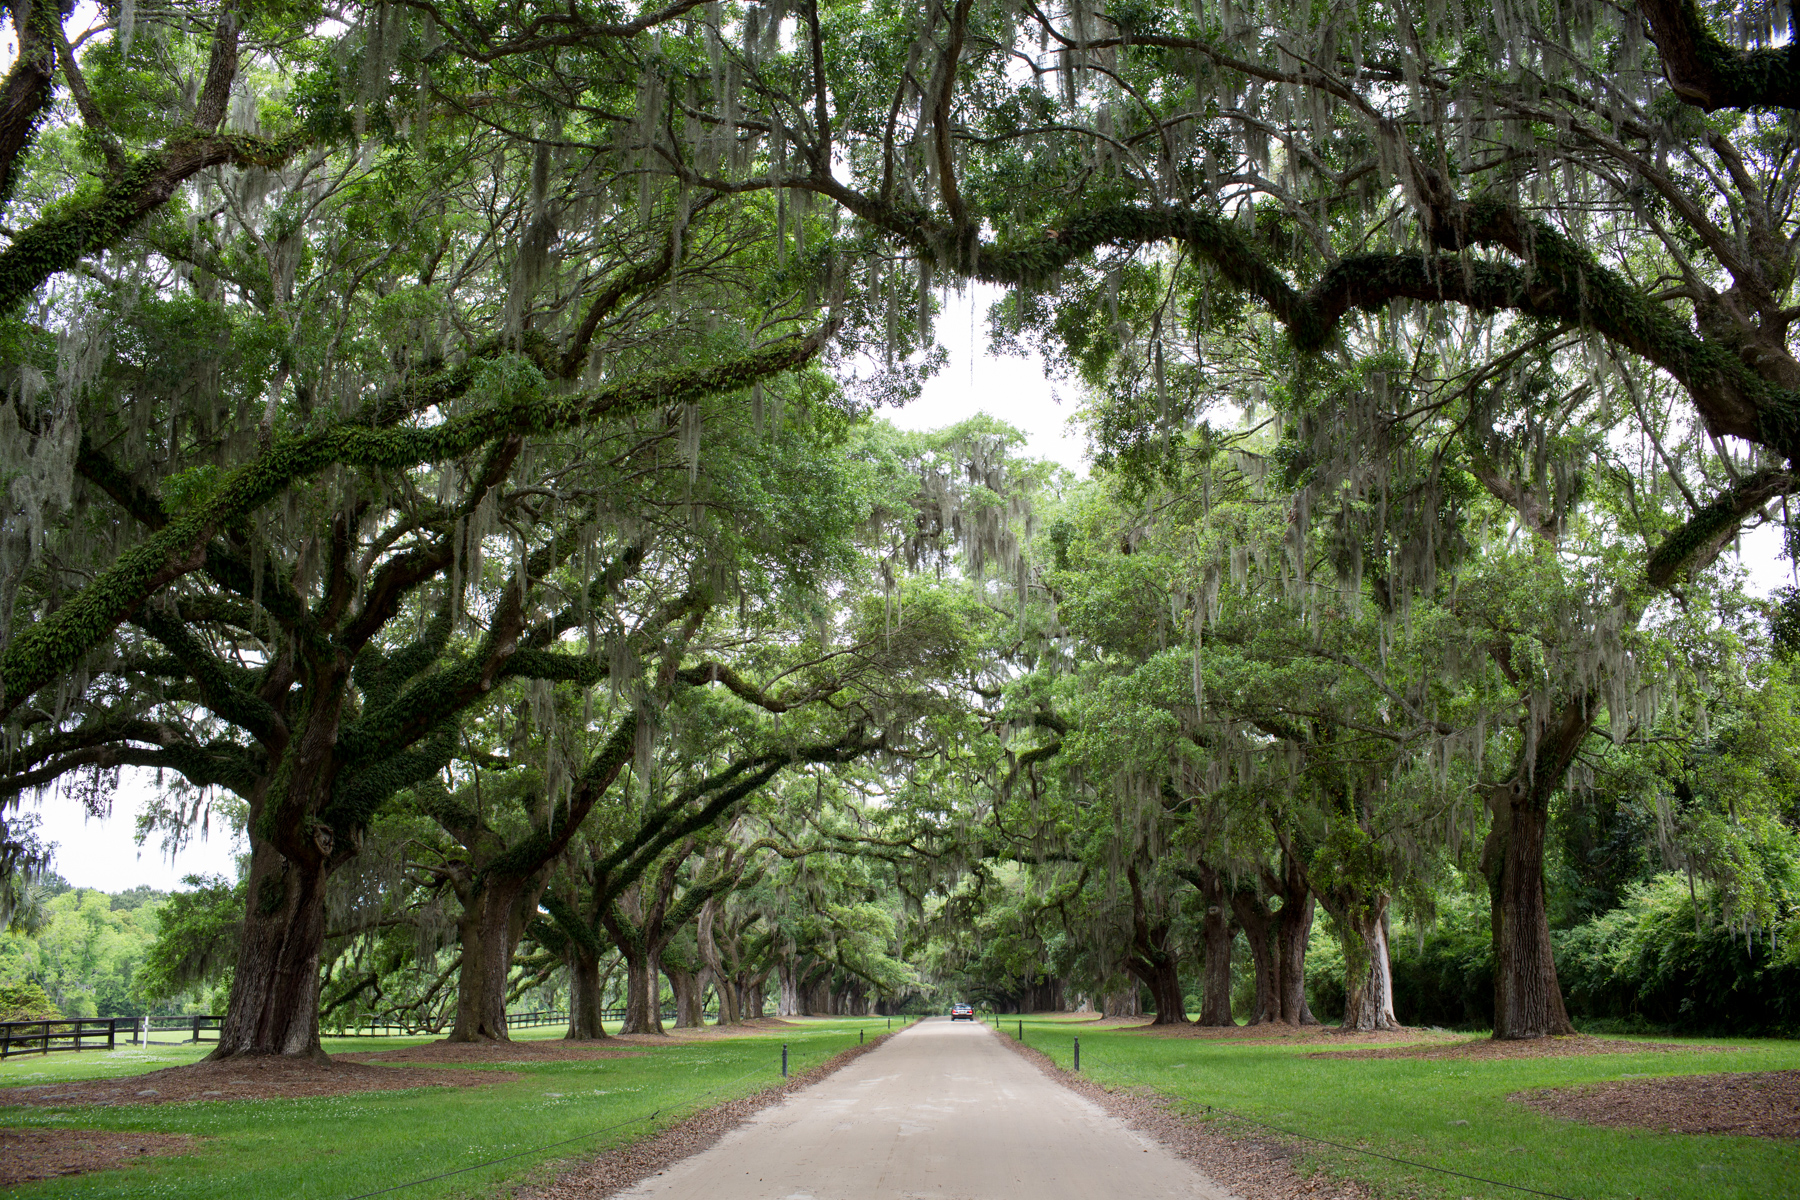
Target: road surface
x=942, y=1111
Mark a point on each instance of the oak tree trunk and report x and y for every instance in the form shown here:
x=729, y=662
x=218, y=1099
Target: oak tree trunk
x=274, y=1006
x=1217, y=933
x=587, y=998
x=643, y=994
x=1368, y=974
x=790, y=1003
x=1122, y=1003
x=486, y=926
x=690, y=994
x=1293, y=930
x=1528, y=1000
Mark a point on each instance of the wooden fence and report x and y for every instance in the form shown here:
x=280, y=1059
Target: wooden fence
x=107, y=1033
x=101, y=1033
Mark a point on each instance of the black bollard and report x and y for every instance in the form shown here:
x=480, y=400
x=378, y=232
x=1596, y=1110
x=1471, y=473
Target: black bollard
x=1078, y=1054
x=859, y=1037
x=1021, y=1031
x=784, y=1060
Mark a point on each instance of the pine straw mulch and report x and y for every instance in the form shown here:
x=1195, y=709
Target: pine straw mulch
x=260, y=1078
x=1746, y=1104
x=544, y=1051
x=617, y=1170
x=28, y=1154
x=1259, y=1164
x=1548, y=1047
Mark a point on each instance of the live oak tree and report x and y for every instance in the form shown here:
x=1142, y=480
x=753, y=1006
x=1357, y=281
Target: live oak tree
x=394, y=360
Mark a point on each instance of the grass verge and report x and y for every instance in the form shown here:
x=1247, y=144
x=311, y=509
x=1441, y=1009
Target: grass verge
x=334, y=1148
x=1447, y=1113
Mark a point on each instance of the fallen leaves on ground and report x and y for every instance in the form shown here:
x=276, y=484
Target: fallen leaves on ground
x=27, y=1154
x=1748, y=1104
x=253, y=1078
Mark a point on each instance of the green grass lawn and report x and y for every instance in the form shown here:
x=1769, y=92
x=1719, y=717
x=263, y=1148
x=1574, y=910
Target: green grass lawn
x=333, y=1148
x=1413, y=1109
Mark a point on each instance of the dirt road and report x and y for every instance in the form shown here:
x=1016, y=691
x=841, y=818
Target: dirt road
x=941, y=1112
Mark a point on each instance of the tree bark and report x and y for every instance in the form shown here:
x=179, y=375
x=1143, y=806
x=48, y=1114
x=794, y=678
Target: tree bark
x=1528, y=1000
x=643, y=993
x=1293, y=930
x=587, y=996
x=690, y=993
x=790, y=1003
x=1122, y=1003
x=491, y=925
x=751, y=994
x=1217, y=933
x=274, y=1006
x=1258, y=924
x=1151, y=960
x=1368, y=974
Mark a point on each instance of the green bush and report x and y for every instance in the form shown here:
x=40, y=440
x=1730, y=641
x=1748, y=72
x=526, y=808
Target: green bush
x=1447, y=979
x=1650, y=962
x=25, y=1002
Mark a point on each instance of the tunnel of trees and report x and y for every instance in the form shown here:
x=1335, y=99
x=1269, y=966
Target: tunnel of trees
x=444, y=443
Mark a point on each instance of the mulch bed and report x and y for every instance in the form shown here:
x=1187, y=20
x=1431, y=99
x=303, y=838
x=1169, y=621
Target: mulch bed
x=1257, y=1164
x=271, y=1078
x=1552, y=1047
x=28, y=1154
x=494, y=1052
x=617, y=1170
x=1746, y=1104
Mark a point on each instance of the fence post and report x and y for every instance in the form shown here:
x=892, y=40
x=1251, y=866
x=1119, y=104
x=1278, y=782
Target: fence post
x=112, y=1034
x=1021, y=1030
x=784, y=1060
x=1078, y=1054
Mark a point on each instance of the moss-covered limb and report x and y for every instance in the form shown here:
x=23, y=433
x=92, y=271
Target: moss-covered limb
x=103, y=730
x=89, y=222
x=603, y=585
x=568, y=922
x=558, y=668
x=547, y=842
x=629, y=861
x=1556, y=278
x=57, y=644
x=30, y=87
x=227, y=566
x=701, y=674
x=397, y=578
x=226, y=690
x=357, y=793
x=1709, y=74
x=1695, y=545
x=212, y=764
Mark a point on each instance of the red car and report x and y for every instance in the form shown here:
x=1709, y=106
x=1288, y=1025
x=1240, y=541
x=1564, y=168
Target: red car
x=962, y=1012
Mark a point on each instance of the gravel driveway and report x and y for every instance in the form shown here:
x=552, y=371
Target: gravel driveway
x=942, y=1111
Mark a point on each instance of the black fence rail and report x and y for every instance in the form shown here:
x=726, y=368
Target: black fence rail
x=102, y=1033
